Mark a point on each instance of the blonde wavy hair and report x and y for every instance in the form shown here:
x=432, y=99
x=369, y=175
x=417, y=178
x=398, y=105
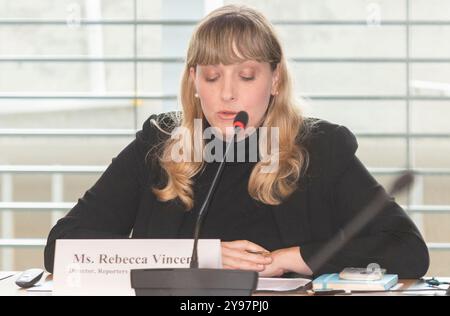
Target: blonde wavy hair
x=228, y=35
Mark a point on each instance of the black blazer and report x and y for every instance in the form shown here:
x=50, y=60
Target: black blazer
x=334, y=189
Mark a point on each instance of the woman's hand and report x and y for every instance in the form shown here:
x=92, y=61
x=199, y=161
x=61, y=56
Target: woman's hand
x=237, y=255
x=286, y=260
x=275, y=269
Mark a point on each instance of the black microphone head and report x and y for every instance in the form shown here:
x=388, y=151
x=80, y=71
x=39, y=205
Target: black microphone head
x=241, y=120
x=402, y=182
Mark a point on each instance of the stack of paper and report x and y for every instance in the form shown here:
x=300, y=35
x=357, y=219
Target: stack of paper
x=281, y=284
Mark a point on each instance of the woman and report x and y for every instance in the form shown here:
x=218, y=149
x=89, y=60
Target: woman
x=235, y=63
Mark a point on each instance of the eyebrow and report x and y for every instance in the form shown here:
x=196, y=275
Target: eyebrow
x=252, y=62
x=242, y=65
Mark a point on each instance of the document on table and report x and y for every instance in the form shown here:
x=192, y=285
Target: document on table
x=281, y=284
x=43, y=286
x=264, y=284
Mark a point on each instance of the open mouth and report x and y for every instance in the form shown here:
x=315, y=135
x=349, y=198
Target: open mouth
x=227, y=115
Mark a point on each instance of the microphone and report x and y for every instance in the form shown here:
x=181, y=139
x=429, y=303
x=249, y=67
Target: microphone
x=194, y=281
x=336, y=243
x=240, y=122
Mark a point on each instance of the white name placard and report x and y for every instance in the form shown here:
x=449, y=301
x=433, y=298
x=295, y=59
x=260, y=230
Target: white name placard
x=102, y=267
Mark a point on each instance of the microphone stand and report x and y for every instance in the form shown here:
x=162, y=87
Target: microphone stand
x=212, y=188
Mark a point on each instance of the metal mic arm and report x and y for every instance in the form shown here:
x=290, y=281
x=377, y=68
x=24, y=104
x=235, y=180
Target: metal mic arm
x=201, y=213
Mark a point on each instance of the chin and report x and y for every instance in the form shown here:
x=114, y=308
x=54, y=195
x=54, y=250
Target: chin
x=222, y=128
x=223, y=132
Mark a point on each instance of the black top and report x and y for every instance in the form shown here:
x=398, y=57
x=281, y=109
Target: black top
x=255, y=222
x=334, y=189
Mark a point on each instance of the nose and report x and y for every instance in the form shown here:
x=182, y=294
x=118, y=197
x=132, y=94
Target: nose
x=228, y=90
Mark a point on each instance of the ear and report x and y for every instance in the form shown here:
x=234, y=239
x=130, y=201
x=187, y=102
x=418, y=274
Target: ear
x=275, y=80
x=192, y=74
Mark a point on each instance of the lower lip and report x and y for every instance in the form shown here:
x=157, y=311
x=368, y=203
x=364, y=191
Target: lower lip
x=226, y=116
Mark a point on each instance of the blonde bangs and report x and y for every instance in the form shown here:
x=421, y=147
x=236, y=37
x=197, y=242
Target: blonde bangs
x=232, y=38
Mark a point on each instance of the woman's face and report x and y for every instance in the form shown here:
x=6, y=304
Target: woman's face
x=226, y=90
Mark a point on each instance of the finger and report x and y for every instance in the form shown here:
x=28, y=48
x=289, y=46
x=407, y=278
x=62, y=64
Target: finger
x=228, y=267
x=244, y=255
x=271, y=272
x=239, y=264
x=244, y=245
